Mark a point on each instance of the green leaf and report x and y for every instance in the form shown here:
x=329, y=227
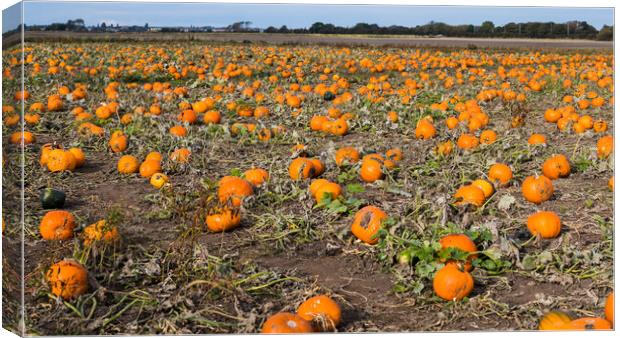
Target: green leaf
x=355, y=188
x=236, y=172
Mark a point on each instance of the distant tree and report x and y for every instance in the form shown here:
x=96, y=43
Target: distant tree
x=316, y=27
x=271, y=29
x=487, y=27
x=606, y=33
x=283, y=29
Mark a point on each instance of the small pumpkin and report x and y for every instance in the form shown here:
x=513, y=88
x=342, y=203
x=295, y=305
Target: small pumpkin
x=68, y=279
x=553, y=321
x=609, y=308
x=547, y=224
x=181, y=155
x=78, y=154
x=537, y=189
x=461, y=242
x=154, y=155
x=100, y=231
x=158, y=180
x=52, y=198
x=467, y=142
x=488, y=137
x=469, y=194
x=500, y=174
x=118, y=143
x=588, y=323
x=555, y=167
x=18, y=136
x=212, y=117
x=327, y=190
x=128, y=164
x=57, y=225
x=322, y=311
x=605, y=146
x=234, y=189
x=256, y=176
x=286, y=322
x=301, y=168
x=366, y=224
x=149, y=168
x=347, y=156
x=371, y=170
x=444, y=148
x=452, y=283
x=219, y=220
x=537, y=139
x=425, y=129
x=484, y=185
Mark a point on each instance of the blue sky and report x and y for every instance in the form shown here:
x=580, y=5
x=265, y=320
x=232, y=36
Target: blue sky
x=296, y=15
x=11, y=17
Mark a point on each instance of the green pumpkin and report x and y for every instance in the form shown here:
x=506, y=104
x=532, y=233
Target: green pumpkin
x=52, y=198
x=328, y=96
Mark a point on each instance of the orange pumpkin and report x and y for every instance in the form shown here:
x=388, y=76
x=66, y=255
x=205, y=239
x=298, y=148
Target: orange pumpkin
x=233, y=189
x=556, y=166
x=285, y=322
x=57, y=225
x=150, y=167
x=485, y=186
x=18, y=137
x=588, y=323
x=301, y=168
x=461, y=242
x=366, y=224
x=223, y=220
x=346, y=156
x=488, y=137
x=256, y=176
x=327, y=190
x=180, y=155
x=322, y=311
x=451, y=283
x=371, y=170
x=605, y=146
x=467, y=142
x=425, y=130
x=609, y=308
x=469, y=194
x=547, y=224
x=500, y=174
x=554, y=321
x=537, y=189
x=537, y=139
x=128, y=164
x=100, y=231
x=68, y=279
x=118, y=143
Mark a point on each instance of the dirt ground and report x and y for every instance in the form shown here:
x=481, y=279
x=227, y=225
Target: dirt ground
x=168, y=275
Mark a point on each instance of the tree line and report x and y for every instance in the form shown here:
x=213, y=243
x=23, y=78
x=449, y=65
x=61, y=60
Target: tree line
x=549, y=30
x=571, y=30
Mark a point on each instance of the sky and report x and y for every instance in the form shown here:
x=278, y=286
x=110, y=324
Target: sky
x=11, y=17
x=296, y=15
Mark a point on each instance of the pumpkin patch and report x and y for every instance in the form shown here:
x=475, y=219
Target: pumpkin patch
x=207, y=187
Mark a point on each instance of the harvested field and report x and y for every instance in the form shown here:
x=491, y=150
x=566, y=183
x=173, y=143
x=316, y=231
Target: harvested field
x=311, y=39
x=422, y=123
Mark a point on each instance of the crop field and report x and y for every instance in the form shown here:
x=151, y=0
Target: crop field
x=219, y=187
